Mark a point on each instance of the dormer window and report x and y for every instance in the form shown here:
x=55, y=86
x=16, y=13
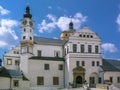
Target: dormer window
x=83, y=35
x=57, y=53
x=80, y=35
x=91, y=36
x=87, y=36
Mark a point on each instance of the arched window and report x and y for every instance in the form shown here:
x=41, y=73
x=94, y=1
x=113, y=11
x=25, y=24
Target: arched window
x=24, y=37
x=24, y=30
x=30, y=38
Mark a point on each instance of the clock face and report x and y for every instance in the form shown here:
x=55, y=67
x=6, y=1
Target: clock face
x=24, y=22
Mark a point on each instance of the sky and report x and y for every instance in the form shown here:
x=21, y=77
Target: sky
x=51, y=17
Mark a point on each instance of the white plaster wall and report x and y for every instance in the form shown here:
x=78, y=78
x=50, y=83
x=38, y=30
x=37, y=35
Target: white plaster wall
x=108, y=74
x=12, y=66
x=36, y=68
x=88, y=67
x=4, y=83
x=47, y=50
x=13, y=56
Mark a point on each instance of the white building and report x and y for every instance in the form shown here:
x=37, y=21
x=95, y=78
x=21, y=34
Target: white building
x=46, y=63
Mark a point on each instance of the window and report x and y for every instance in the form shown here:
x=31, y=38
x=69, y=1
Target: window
x=24, y=37
x=93, y=63
x=91, y=36
x=57, y=53
x=111, y=79
x=24, y=30
x=83, y=63
x=82, y=48
x=89, y=48
x=60, y=67
x=92, y=80
x=77, y=63
x=67, y=49
x=100, y=80
x=9, y=61
x=96, y=49
x=30, y=38
x=80, y=35
x=74, y=48
x=40, y=80
x=87, y=36
x=16, y=83
x=98, y=63
x=118, y=79
x=39, y=53
x=46, y=66
x=55, y=80
x=66, y=34
x=17, y=62
x=83, y=35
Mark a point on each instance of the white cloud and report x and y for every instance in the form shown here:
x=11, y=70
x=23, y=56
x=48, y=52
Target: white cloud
x=49, y=7
x=109, y=47
x=61, y=22
x=8, y=36
x=3, y=11
x=118, y=22
x=2, y=44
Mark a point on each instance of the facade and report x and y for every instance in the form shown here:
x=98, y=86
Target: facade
x=46, y=63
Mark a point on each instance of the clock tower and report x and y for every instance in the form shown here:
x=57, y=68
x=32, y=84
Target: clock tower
x=26, y=40
x=27, y=32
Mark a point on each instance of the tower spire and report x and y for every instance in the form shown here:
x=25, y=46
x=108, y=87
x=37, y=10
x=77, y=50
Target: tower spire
x=27, y=14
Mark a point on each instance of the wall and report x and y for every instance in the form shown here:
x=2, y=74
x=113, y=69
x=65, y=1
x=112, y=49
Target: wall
x=4, y=83
x=36, y=68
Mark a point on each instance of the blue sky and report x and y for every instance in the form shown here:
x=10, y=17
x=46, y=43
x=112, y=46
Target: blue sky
x=51, y=17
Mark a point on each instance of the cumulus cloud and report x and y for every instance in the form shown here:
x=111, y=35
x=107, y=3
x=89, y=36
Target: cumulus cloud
x=8, y=36
x=52, y=22
x=109, y=47
x=3, y=11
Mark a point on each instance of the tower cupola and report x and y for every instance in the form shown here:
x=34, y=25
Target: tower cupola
x=71, y=25
x=27, y=14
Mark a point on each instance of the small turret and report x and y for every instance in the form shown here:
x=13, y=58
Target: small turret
x=71, y=25
x=65, y=34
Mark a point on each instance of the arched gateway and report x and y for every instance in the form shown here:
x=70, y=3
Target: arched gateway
x=78, y=76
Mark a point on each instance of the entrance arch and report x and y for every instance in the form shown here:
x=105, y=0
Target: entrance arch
x=78, y=76
x=79, y=80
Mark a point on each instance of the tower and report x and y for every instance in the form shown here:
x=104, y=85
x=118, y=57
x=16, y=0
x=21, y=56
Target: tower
x=26, y=40
x=27, y=33
x=65, y=34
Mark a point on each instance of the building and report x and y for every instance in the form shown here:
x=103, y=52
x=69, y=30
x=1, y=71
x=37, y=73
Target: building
x=46, y=63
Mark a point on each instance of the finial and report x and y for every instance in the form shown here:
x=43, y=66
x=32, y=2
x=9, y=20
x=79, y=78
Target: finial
x=27, y=10
x=27, y=14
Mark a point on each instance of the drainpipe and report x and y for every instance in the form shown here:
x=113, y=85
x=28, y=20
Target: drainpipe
x=10, y=83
